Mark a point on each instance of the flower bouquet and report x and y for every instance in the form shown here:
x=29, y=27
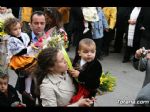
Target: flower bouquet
x=2, y=33
x=56, y=39
x=59, y=40
x=107, y=82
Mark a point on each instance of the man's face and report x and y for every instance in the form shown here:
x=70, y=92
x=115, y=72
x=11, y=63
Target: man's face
x=3, y=85
x=38, y=24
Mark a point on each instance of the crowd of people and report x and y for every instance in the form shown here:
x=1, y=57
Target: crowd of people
x=42, y=70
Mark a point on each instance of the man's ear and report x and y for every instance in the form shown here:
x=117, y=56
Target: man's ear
x=30, y=25
x=79, y=52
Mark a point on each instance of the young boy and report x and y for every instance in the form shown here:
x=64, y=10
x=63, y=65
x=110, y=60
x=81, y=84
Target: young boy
x=90, y=70
x=8, y=94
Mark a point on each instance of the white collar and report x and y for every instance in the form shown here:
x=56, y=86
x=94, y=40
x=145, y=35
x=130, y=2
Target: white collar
x=82, y=62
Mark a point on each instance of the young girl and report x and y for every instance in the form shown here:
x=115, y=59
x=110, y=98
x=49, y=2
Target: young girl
x=54, y=85
x=89, y=72
x=19, y=52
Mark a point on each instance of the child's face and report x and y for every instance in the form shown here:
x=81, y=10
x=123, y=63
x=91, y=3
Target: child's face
x=16, y=30
x=60, y=64
x=3, y=10
x=3, y=85
x=87, y=52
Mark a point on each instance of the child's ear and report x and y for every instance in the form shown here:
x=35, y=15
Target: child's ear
x=79, y=52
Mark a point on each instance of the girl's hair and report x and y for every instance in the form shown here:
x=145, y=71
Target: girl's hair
x=54, y=14
x=9, y=23
x=46, y=59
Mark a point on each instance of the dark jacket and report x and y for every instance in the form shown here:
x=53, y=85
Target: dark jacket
x=142, y=65
x=137, y=32
x=144, y=21
x=90, y=74
x=144, y=18
x=143, y=95
x=122, y=17
x=12, y=97
x=30, y=35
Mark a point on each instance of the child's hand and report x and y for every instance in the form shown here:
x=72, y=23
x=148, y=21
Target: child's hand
x=84, y=102
x=33, y=46
x=74, y=73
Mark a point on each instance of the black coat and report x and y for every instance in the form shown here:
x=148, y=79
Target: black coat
x=137, y=33
x=123, y=14
x=12, y=97
x=90, y=74
x=30, y=35
x=144, y=21
x=144, y=18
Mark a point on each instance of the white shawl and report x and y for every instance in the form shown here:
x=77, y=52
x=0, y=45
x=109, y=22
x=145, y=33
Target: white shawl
x=134, y=15
x=15, y=45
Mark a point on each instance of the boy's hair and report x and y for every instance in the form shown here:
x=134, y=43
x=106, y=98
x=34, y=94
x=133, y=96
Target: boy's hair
x=9, y=23
x=86, y=41
x=3, y=75
x=39, y=13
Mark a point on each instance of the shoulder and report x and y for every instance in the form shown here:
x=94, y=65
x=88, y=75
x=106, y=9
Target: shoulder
x=29, y=33
x=24, y=34
x=113, y=8
x=11, y=88
x=96, y=62
x=46, y=82
x=11, y=38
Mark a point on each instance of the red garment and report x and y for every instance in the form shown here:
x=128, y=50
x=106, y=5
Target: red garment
x=82, y=91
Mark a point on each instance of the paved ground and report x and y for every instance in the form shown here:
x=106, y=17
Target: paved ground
x=129, y=81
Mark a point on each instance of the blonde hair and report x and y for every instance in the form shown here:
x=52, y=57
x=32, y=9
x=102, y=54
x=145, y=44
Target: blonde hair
x=86, y=41
x=9, y=23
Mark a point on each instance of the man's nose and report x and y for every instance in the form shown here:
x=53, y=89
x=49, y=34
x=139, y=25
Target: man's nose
x=39, y=25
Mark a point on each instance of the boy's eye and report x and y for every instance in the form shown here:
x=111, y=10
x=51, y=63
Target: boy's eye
x=93, y=51
x=85, y=51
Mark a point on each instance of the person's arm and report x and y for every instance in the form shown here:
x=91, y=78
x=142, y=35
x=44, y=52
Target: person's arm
x=104, y=21
x=143, y=95
x=2, y=101
x=16, y=97
x=22, y=52
x=138, y=62
x=140, y=19
x=113, y=14
x=48, y=96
